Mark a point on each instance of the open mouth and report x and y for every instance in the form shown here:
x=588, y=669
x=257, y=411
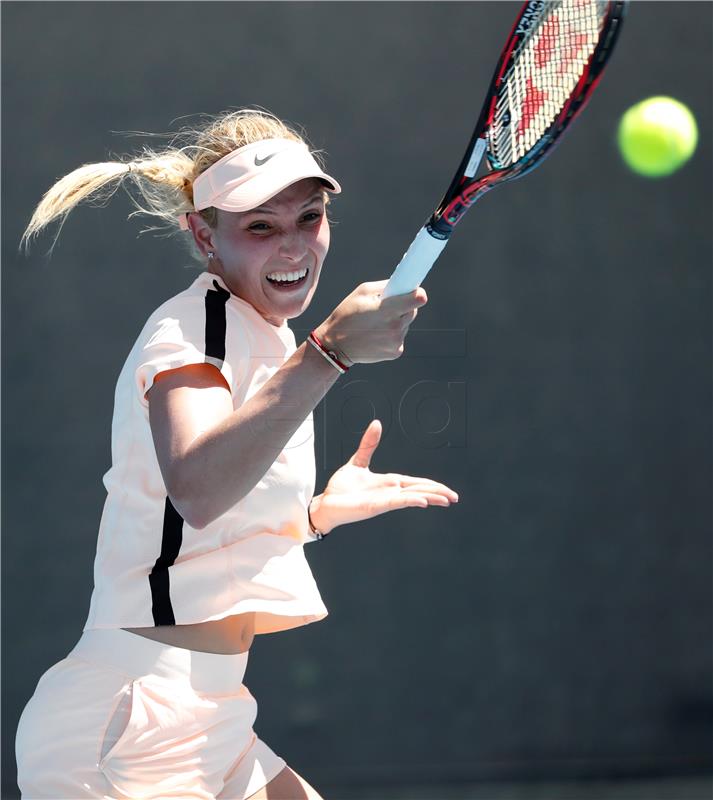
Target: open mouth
x=286, y=281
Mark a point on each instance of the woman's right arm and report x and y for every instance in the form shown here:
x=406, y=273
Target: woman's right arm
x=211, y=455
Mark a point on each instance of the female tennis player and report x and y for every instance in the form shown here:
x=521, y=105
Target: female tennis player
x=210, y=492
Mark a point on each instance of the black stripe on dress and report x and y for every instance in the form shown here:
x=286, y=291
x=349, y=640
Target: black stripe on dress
x=215, y=321
x=172, y=536
x=159, y=579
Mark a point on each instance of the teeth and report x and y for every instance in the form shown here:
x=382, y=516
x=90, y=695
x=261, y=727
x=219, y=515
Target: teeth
x=287, y=276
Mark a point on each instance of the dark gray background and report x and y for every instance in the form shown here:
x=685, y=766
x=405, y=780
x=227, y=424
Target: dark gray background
x=557, y=621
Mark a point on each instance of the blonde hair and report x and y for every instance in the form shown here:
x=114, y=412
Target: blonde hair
x=164, y=178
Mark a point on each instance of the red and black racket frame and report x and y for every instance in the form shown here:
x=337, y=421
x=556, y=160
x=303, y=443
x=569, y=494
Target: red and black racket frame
x=464, y=191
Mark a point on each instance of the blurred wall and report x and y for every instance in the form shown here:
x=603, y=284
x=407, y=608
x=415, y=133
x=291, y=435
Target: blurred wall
x=557, y=621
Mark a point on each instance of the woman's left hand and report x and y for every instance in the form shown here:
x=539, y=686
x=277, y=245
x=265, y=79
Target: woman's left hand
x=354, y=492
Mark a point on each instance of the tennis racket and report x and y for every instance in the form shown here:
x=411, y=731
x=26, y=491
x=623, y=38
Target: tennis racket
x=548, y=69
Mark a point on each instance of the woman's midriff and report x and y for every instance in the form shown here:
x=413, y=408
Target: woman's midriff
x=225, y=636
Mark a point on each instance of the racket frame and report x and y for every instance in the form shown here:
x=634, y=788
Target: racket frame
x=465, y=190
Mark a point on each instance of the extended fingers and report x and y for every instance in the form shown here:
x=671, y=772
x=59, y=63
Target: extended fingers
x=426, y=484
x=421, y=493
x=420, y=499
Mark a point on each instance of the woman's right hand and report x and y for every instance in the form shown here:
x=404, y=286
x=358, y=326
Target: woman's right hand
x=365, y=328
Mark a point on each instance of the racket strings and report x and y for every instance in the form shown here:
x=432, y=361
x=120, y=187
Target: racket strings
x=546, y=67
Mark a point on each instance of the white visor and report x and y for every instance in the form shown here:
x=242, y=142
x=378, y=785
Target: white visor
x=251, y=175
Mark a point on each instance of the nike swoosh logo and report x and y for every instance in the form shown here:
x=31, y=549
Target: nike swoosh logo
x=260, y=161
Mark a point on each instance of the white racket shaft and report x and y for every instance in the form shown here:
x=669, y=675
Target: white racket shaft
x=415, y=264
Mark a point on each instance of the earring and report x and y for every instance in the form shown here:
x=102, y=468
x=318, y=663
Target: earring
x=211, y=255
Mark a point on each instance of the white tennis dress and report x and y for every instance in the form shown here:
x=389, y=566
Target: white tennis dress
x=151, y=567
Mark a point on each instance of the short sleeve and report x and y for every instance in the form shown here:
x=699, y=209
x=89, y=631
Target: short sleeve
x=188, y=330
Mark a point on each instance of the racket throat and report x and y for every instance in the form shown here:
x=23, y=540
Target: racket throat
x=438, y=228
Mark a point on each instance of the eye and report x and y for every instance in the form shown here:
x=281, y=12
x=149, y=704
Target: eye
x=259, y=227
x=312, y=216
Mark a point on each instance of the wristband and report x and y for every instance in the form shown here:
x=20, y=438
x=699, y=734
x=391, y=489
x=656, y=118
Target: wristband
x=330, y=355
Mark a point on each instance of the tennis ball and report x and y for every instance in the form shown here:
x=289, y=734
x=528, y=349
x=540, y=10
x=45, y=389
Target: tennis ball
x=657, y=136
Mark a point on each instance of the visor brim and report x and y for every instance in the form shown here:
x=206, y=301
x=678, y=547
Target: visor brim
x=264, y=187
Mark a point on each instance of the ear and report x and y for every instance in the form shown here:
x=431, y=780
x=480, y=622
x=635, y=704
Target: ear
x=202, y=233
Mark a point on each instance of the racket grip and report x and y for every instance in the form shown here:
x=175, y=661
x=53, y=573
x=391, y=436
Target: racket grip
x=415, y=264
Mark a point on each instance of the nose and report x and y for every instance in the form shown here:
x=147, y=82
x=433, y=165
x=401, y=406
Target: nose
x=293, y=246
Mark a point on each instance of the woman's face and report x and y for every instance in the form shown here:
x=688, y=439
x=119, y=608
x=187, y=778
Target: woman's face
x=287, y=234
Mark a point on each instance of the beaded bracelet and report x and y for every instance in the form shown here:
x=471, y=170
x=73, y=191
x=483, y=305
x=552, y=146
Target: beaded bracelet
x=330, y=355
x=317, y=533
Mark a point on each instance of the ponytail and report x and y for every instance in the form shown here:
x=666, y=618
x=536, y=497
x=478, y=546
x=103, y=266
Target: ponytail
x=163, y=180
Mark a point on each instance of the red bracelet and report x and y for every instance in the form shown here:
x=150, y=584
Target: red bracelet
x=330, y=355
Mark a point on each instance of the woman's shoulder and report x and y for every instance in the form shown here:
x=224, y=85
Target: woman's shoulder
x=205, y=314
x=192, y=297
x=204, y=299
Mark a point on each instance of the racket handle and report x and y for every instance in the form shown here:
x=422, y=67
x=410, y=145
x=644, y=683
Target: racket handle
x=415, y=264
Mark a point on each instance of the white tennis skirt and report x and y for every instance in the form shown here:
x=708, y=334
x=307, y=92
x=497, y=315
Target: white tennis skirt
x=123, y=716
